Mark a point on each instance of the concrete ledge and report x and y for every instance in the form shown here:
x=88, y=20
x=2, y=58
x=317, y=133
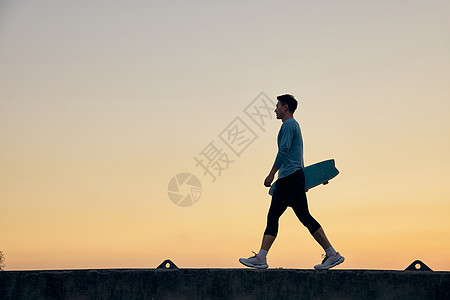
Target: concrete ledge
x=223, y=284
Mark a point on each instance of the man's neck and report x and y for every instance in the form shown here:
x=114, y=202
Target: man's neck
x=286, y=117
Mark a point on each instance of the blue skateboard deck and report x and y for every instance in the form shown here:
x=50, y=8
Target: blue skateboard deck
x=316, y=174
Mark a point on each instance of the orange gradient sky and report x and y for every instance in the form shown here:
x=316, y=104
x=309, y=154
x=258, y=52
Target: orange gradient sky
x=102, y=103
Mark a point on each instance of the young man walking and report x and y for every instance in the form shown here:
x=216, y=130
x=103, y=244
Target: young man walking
x=290, y=190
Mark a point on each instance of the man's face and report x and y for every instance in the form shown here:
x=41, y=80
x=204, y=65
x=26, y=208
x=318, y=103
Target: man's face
x=280, y=110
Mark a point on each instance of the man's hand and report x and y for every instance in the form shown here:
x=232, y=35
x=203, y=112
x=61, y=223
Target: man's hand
x=269, y=179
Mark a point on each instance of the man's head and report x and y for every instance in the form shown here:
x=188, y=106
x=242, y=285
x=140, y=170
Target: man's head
x=289, y=100
x=286, y=105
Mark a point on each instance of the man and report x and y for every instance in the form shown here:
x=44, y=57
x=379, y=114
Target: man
x=290, y=189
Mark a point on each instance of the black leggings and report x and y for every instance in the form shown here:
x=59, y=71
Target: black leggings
x=290, y=191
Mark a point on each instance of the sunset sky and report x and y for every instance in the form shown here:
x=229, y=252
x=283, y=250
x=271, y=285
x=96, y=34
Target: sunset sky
x=103, y=103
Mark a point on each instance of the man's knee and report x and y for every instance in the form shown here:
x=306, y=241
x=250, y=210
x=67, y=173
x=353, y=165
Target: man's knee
x=309, y=222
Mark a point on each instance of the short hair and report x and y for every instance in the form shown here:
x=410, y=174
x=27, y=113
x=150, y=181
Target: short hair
x=289, y=100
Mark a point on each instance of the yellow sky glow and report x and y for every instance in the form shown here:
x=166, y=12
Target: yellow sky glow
x=101, y=108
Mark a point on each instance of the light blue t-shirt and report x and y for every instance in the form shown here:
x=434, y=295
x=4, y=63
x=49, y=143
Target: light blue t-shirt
x=290, y=148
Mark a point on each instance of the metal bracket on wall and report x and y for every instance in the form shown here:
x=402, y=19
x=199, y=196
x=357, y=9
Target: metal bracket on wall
x=167, y=264
x=417, y=265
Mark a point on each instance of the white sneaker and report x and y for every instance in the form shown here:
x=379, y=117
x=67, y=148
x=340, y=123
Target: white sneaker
x=329, y=262
x=254, y=262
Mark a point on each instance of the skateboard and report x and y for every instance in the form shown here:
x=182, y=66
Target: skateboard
x=316, y=174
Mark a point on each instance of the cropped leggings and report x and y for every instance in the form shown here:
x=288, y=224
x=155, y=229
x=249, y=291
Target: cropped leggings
x=290, y=191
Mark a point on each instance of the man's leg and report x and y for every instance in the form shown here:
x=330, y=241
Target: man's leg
x=267, y=242
x=321, y=238
x=300, y=207
x=277, y=208
x=332, y=258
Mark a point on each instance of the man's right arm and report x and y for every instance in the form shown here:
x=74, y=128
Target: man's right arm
x=270, y=177
x=287, y=133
